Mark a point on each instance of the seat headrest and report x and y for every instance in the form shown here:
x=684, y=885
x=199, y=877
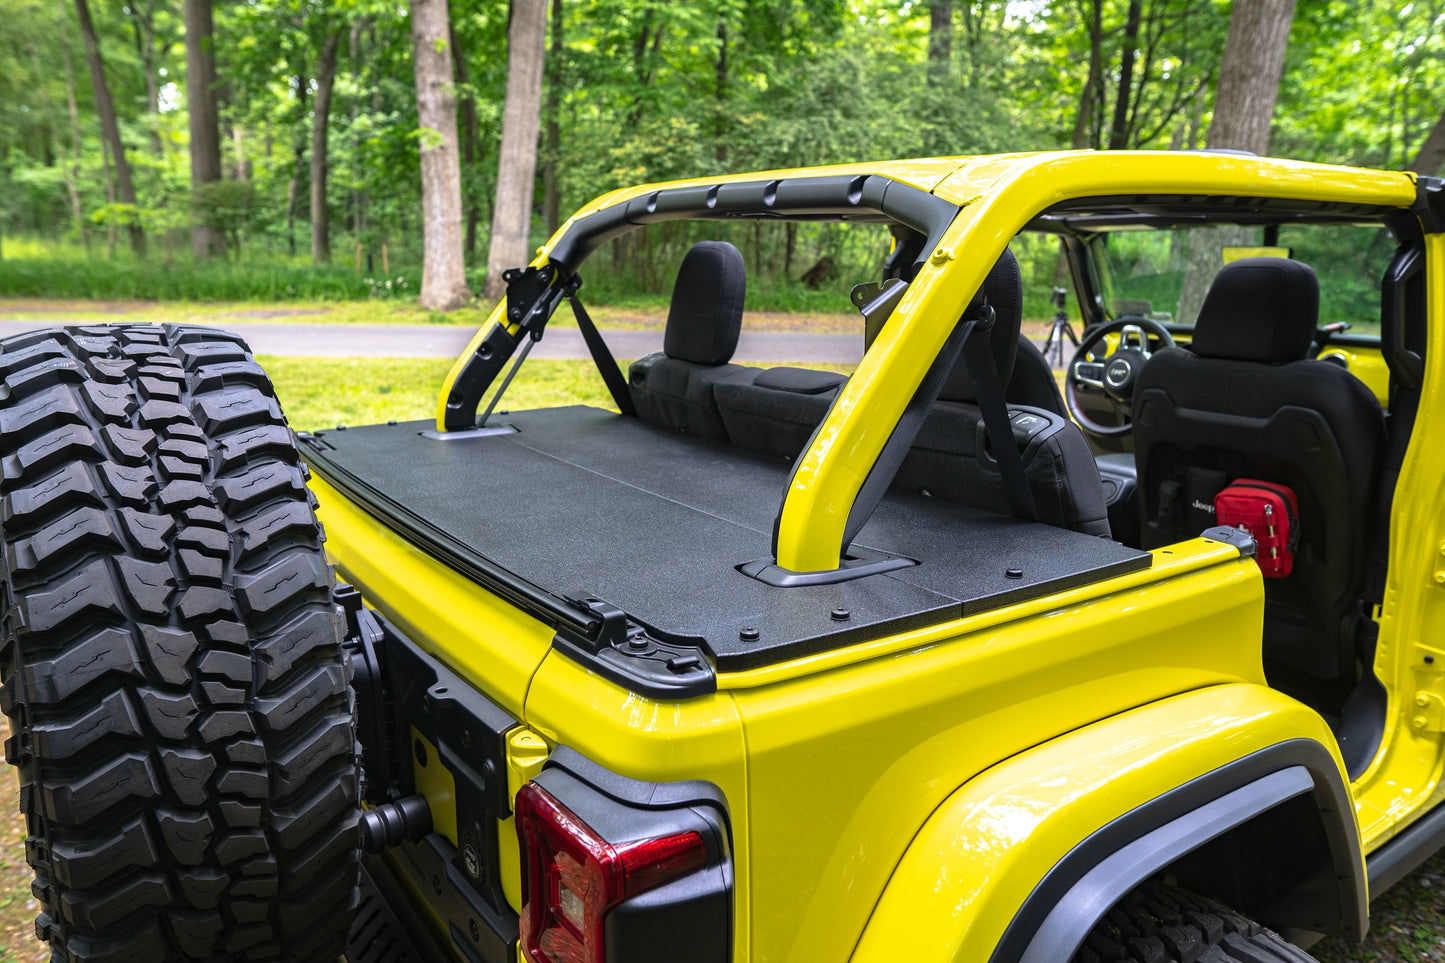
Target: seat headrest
x=1259, y=309
x=707, y=305
x=1004, y=290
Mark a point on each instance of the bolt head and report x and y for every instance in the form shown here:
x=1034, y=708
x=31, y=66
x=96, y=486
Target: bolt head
x=1419, y=722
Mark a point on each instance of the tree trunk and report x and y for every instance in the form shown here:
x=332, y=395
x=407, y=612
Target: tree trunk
x=720, y=95
x=1089, y=94
x=443, y=272
x=517, y=165
x=1249, y=75
x=321, y=116
x=238, y=144
x=144, y=22
x=471, y=144
x=940, y=39
x=1119, y=130
x=293, y=186
x=77, y=208
x=552, y=154
x=358, y=196
x=109, y=198
x=1432, y=152
x=105, y=109
x=206, y=241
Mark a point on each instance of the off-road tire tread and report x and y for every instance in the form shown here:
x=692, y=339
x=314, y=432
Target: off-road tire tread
x=170, y=653
x=1161, y=923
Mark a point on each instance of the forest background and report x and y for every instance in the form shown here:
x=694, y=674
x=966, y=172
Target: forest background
x=294, y=172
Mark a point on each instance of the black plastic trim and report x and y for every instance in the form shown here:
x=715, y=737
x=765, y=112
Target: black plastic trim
x=845, y=196
x=1330, y=796
x=1405, y=364
x=1430, y=204
x=1071, y=919
x=859, y=562
x=1229, y=535
x=388, y=928
x=468, y=734
x=639, y=657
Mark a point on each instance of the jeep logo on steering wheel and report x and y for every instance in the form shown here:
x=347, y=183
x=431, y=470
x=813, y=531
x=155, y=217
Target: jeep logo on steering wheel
x=1118, y=372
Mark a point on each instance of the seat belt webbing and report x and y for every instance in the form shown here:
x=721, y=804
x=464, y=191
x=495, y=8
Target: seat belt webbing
x=979, y=360
x=606, y=364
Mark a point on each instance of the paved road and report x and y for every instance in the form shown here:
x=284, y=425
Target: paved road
x=422, y=341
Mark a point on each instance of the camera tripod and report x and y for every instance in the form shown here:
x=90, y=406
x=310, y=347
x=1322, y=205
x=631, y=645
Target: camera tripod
x=1054, y=344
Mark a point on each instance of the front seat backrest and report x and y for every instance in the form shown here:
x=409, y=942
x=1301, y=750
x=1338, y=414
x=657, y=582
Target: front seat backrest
x=674, y=388
x=1243, y=401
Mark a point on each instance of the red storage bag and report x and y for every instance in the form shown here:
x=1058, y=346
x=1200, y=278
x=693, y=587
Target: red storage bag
x=1267, y=511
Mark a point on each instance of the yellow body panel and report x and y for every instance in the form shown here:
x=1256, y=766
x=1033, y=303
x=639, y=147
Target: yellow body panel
x=896, y=734
x=441, y=610
x=984, y=730
x=1405, y=778
x=979, y=856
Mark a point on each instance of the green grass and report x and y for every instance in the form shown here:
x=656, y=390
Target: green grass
x=182, y=279
x=326, y=392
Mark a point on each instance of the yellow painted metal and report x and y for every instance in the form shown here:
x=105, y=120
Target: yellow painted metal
x=1166, y=563
x=845, y=764
x=999, y=202
x=441, y=610
x=701, y=738
x=1367, y=364
x=830, y=763
x=1405, y=778
x=435, y=782
x=1232, y=254
x=983, y=851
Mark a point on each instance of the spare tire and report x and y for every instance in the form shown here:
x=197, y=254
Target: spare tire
x=170, y=654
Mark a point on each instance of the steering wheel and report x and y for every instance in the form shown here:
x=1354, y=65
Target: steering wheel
x=1114, y=376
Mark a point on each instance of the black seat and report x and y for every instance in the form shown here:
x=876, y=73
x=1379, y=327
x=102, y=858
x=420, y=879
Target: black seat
x=946, y=459
x=1243, y=401
x=675, y=388
x=1033, y=382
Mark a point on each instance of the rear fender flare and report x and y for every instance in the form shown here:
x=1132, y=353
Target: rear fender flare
x=1019, y=863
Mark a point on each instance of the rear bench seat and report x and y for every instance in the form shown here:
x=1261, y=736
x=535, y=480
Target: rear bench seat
x=675, y=388
x=692, y=386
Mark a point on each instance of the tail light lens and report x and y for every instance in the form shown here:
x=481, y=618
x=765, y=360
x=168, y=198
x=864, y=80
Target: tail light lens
x=572, y=877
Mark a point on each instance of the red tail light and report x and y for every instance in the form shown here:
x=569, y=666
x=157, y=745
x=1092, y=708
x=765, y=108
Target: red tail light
x=572, y=877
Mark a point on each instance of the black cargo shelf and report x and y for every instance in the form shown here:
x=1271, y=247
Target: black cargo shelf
x=581, y=502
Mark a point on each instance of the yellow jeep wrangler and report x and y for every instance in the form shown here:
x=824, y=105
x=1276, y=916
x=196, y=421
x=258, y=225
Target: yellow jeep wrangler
x=933, y=662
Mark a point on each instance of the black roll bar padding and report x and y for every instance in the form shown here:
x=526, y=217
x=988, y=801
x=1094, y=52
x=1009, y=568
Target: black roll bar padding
x=849, y=197
x=1405, y=364
x=858, y=197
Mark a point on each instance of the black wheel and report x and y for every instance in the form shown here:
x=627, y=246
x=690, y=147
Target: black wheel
x=1160, y=923
x=170, y=654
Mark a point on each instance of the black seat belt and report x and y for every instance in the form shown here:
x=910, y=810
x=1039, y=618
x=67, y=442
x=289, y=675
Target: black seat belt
x=973, y=333
x=606, y=364
x=979, y=360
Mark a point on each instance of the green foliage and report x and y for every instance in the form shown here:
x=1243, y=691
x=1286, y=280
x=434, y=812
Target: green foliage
x=646, y=90
x=185, y=280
